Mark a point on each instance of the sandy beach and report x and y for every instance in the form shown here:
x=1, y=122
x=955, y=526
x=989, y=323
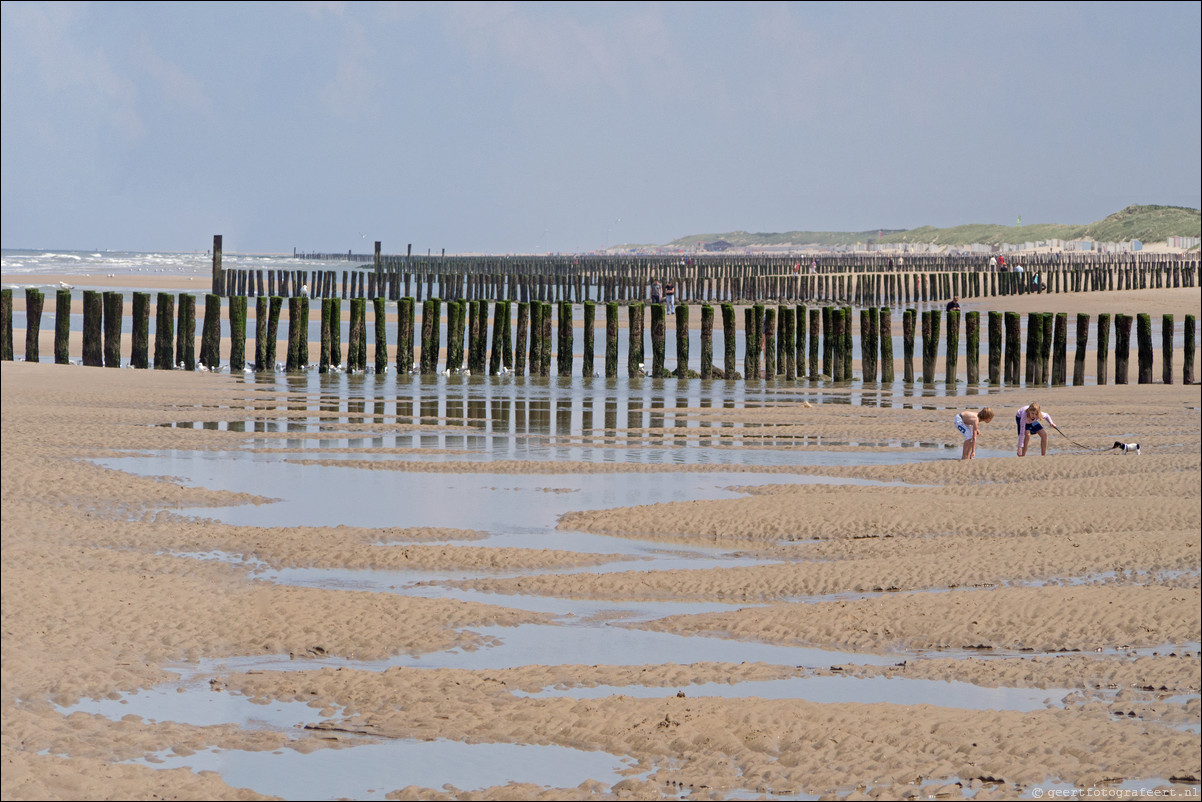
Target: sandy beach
x=1074, y=576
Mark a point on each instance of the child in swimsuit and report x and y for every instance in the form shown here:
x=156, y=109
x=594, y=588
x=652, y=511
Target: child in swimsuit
x=968, y=423
x=1031, y=421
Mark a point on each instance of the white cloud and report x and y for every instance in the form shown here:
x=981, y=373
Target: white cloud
x=177, y=85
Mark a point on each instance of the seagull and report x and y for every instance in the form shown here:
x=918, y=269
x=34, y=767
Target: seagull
x=65, y=286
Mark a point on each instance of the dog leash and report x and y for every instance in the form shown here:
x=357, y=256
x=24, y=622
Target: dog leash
x=1074, y=442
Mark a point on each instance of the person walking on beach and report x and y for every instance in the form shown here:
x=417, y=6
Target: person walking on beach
x=1031, y=420
x=670, y=296
x=954, y=304
x=657, y=291
x=968, y=424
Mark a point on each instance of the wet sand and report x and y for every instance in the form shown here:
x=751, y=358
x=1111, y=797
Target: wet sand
x=1078, y=570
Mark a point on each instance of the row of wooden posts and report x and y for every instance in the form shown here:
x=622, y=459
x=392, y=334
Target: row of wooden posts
x=468, y=282
x=785, y=341
x=851, y=279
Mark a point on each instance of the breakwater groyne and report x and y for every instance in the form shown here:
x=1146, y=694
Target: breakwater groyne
x=769, y=342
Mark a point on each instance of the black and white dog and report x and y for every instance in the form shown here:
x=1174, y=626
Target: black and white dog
x=1126, y=448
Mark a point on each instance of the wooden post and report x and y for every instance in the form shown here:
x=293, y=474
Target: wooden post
x=1060, y=350
x=565, y=351
x=611, y=339
x=273, y=332
x=534, y=353
x=1166, y=345
x=324, y=350
x=1143, y=331
x=634, y=355
x=815, y=328
x=263, y=362
x=995, y=347
x=1082, y=345
x=972, y=347
x=1122, y=347
x=728, y=341
x=1103, y=344
x=769, y=329
x=356, y=348
x=828, y=344
x=952, y=360
x=800, y=339
x=885, y=328
x=496, y=359
x=1187, y=373
x=908, y=321
x=753, y=329
x=185, y=335
x=707, y=341
x=431, y=336
x=929, y=345
x=838, y=330
x=164, y=331
x=406, y=317
x=93, y=322
x=523, y=326
x=1034, y=339
x=218, y=281
x=868, y=345
x=682, y=341
x=590, y=315
x=6, y=325
x=848, y=340
x=62, y=325
x=380, y=316
x=34, y=301
x=295, y=328
x=210, y=338
x=545, y=365
x=237, y=315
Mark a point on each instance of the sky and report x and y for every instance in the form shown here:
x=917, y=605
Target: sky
x=570, y=127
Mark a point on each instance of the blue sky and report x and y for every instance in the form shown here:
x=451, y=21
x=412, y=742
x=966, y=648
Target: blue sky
x=504, y=128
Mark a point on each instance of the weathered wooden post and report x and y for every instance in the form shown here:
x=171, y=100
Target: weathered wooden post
x=838, y=330
x=380, y=316
x=929, y=336
x=185, y=333
x=995, y=347
x=1166, y=345
x=828, y=343
x=237, y=315
x=1082, y=345
x=520, y=347
x=261, y=351
x=769, y=329
x=848, y=342
x=611, y=339
x=534, y=350
x=295, y=324
x=218, y=282
x=93, y=322
x=565, y=349
x=1143, y=332
x=952, y=360
x=885, y=329
x=682, y=341
x=590, y=314
x=6, y=325
x=545, y=366
x=972, y=347
x=356, y=359
x=634, y=351
x=1103, y=347
x=1187, y=372
x=210, y=338
x=454, y=335
x=62, y=325
x=431, y=336
x=1034, y=340
x=1122, y=347
x=496, y=358
x=787, y=322
x=164, y=331
x=707, y=341
x=728, y=341
x=815, y=328
x=800, y=339
x=1059, y=347
x=908, y=320
x=868, y=344
x=406, y=318
x=34, y=301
